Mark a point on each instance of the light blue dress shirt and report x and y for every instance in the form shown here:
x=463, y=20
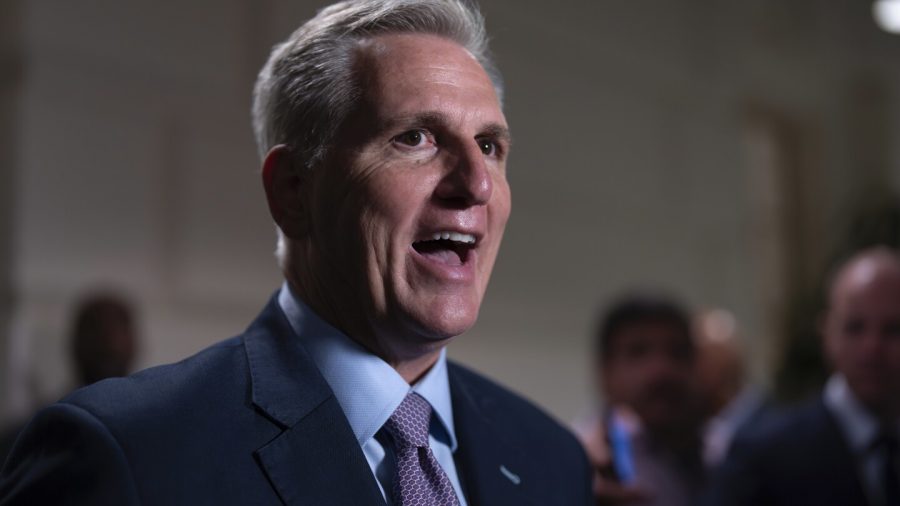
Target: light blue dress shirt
x=369, y=390
x=860, y=428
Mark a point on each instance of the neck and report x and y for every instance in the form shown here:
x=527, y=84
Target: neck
x=413, y=370
x=411, y=362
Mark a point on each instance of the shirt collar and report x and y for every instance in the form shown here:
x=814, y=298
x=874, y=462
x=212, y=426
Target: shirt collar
x=435, y=388
x=366, y=387
x=858, y=424
x=741, y=407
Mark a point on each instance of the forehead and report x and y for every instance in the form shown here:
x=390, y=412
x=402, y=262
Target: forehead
x=411, y=71
x=872, y=286
x=654, y=332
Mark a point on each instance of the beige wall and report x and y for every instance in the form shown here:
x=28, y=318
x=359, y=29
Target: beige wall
x=631, y=166
x=10, y=76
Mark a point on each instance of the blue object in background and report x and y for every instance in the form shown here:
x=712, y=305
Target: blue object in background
x=620, y=444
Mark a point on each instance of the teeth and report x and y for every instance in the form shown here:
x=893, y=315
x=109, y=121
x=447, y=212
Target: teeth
x=454, y=236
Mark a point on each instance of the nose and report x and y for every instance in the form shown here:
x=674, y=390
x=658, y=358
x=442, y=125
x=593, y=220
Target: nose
x=663, y=367
x=467, y=181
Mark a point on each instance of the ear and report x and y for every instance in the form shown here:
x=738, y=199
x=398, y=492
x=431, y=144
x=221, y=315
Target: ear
x=284, y=181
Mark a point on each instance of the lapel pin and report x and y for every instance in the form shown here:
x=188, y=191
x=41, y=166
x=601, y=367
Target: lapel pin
x=513, y=477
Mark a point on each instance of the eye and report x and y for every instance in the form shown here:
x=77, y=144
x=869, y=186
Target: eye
x=412, y=138
x=488, y=147
x=492, y=146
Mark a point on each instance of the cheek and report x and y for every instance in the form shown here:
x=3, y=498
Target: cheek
x=892, y=352
x=388, y=225
x=620, y=380
x=832, y=345
x=501, y=205
x=498, y=215
x=397, y=195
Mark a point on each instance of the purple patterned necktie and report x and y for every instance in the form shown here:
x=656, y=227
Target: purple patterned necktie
x=419, y=480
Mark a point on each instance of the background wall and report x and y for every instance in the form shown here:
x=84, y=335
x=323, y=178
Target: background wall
x=713, y=148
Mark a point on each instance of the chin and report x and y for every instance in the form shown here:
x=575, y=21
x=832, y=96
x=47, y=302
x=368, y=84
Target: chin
x=447, y=328
x=446, y=323
x=873, y=395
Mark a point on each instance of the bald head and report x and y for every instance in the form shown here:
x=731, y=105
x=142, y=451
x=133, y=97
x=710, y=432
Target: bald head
x=862, y=328
x=720, y=361
x=877, y=265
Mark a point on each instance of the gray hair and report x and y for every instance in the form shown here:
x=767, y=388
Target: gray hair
x=307, y=88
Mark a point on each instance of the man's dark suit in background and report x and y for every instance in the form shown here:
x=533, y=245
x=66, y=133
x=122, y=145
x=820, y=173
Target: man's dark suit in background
x=836, y=450
x=799, y=458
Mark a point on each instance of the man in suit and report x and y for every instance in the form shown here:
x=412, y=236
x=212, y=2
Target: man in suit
x=730, y=400
x=841, y=448
x=645, y=442
x=384, y=150
x=103, y=344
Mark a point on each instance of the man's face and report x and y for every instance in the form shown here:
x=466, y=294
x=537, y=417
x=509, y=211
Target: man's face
x=862, y=335
x=649, y=369
x=409, y=210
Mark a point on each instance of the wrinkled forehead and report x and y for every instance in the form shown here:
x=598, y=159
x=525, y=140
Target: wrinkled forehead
x=406, y=62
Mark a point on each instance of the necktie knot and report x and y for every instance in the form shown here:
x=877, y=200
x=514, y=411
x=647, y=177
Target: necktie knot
x=409, y=423
x=419, y=480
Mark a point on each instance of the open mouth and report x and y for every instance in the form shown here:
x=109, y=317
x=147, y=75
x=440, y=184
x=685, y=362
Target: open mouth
x=448, y=248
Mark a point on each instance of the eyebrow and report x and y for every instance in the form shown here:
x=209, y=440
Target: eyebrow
x=434, y=118
x=498, y=132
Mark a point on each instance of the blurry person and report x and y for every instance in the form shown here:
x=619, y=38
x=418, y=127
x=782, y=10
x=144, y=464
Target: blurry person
x=383, y=148
x=729, y=400
x=841, y=448
x=645, y=444
x=103, y=344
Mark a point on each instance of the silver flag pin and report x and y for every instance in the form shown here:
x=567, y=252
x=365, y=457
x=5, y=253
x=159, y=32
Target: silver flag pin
x=513, y=477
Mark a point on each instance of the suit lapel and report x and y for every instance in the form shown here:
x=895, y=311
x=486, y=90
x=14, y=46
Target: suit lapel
x=492, y=472
x=318, y=461
x=316, y=458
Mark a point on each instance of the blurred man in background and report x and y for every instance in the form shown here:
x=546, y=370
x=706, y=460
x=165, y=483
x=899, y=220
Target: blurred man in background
x=103, y=343
x=842, y=447
x=730, y=400
x=645, y=444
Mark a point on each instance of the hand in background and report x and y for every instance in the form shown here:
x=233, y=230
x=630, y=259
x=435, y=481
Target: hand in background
x=609, y=492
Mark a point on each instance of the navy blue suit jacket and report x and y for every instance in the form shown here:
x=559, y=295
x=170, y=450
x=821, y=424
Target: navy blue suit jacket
x=251, y=421
x=797, y=459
